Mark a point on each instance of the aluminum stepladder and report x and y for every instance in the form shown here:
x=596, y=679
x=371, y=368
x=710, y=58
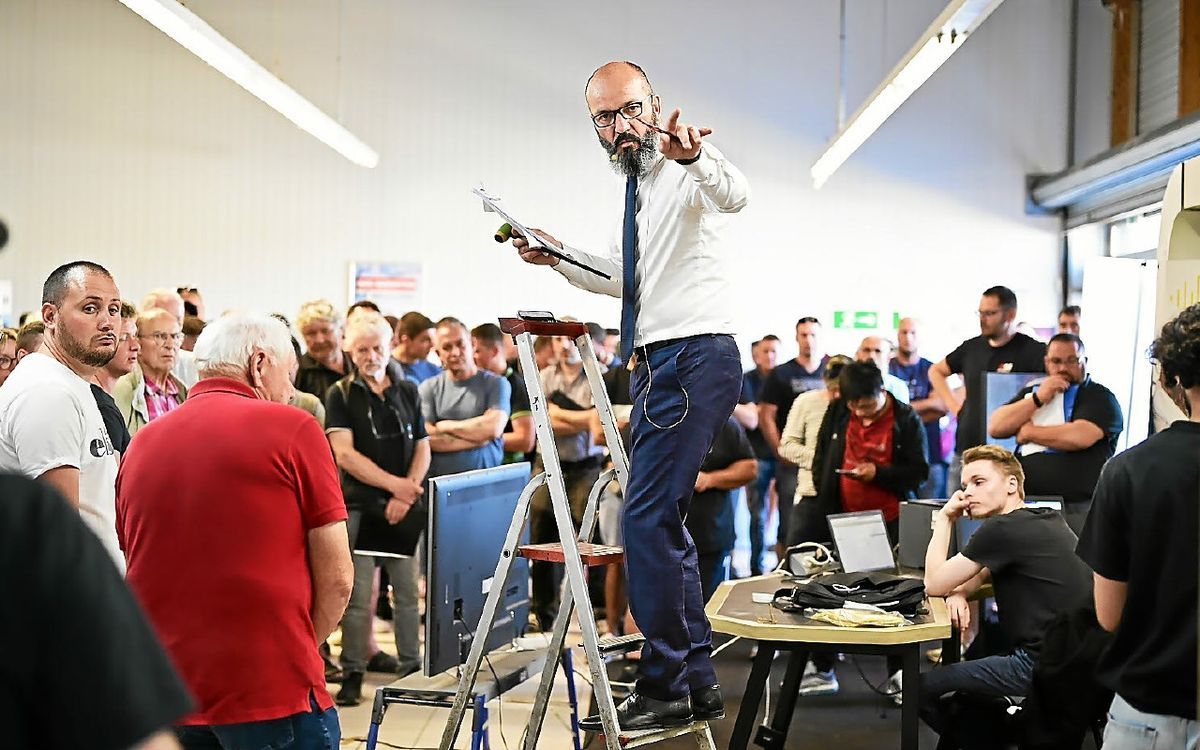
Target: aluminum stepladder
x=575, y=551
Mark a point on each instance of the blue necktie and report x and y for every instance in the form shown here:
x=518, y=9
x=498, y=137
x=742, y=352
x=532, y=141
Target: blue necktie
x=628, y=269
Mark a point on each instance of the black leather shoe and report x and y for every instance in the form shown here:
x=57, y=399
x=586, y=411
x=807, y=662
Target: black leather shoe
x=383, y=662
x=351, y=692
x=637, y=712
x=708, y=704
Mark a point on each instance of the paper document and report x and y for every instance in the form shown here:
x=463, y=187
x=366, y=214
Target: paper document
x=491, y=204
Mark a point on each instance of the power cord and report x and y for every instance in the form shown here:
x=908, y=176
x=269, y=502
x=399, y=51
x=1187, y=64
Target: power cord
x=499, y=695
x=362, y=741
x=880, y=690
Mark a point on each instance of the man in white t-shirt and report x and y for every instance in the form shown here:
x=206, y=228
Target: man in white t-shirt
x=50, y=427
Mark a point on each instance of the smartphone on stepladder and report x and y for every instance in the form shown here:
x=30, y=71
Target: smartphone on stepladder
x=539, y=316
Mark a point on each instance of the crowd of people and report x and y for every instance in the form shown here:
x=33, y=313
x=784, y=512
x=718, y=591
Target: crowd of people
x=229, y=467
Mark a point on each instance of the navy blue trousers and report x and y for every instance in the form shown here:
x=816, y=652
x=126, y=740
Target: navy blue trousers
x=683, y=393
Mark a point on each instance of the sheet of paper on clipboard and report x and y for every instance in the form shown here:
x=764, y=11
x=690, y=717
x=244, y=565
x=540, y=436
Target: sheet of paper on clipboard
x=491, y=204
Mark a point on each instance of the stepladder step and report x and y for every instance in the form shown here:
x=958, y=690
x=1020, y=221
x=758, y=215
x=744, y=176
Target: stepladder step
x=591, y=555
x=611, y=645
x=652, y=736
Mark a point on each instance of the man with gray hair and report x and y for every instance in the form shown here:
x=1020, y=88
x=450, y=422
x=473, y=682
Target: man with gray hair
x=374, y=425
x=262, y=508
x=321, y=325
x=150, y=390
x=184, y=367
x=50, y=427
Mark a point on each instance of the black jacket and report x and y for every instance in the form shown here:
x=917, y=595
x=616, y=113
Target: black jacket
x=909, y=468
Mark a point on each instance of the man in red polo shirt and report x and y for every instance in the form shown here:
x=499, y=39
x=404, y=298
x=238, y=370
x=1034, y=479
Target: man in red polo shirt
x=239, y=553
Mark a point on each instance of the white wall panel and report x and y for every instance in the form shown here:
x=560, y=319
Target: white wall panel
x=118, y=145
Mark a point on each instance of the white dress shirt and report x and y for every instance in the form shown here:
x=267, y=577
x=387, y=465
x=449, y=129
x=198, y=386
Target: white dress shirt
x=682, y=277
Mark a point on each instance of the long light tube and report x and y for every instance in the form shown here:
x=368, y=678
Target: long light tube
x=947, y=33
x=202, y=40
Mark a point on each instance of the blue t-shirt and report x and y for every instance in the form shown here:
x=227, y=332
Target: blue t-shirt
x=444, y=398
x=917, y=378
x=418, y=372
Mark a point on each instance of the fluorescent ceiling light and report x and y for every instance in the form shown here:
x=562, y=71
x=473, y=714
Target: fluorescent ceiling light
x=945, y=35
x=202, y=40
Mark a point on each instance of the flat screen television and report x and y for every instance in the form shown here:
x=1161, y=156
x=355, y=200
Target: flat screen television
x=469, y=516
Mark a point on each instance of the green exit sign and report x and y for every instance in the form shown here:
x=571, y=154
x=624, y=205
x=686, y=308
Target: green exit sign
x=863, y=319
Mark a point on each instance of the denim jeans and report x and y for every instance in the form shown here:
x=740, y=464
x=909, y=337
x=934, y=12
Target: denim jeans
x=934, y=486
x=1007, y=675
x=1131, y=729
x=314, y=730
x=714, y=570
x=757, y=502
x=954, y=474
x=359, y=616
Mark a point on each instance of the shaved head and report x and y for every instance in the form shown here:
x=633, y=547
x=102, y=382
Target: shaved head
x=620, y=95
x=617, y=72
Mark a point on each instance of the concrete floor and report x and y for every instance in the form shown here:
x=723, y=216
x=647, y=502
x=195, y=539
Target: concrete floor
x=855, y=719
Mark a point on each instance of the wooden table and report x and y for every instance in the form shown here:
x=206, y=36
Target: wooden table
x=733, y=611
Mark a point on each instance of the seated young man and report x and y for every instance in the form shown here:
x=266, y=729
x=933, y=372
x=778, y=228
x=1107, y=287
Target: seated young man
x=1027, y=553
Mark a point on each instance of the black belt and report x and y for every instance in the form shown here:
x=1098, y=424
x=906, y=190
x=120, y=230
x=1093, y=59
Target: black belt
x=644, y=351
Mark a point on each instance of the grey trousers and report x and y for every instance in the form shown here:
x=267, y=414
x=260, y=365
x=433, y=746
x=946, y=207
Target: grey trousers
x=356, y=623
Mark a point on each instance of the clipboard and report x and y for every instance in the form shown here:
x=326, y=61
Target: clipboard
x=491, y=205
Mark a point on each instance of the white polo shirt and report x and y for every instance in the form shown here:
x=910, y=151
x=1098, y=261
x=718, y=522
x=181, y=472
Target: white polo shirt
x=49, y=419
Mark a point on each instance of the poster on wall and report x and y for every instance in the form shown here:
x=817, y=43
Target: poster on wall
x=395, y=286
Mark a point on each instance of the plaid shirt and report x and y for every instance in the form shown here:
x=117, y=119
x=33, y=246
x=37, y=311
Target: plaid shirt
x=159, y=402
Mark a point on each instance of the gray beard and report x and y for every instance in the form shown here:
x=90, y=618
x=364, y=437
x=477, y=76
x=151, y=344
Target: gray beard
x=632, y=163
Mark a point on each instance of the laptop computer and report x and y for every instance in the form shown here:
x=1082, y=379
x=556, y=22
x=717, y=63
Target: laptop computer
x=862, y=542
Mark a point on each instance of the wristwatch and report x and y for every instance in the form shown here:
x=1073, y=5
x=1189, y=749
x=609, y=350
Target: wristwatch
x=1036, y=401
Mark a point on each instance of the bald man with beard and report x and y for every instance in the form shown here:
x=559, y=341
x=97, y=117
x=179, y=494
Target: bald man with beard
x=670, y=268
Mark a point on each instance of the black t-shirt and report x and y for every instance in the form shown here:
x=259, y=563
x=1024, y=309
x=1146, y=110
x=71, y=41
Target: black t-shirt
x=616, y=382
x=114, y=421
x=1142, y=529
x=710, y=516
x=975, y=357
x=752, y=382
x=83, y=669
x=519, y=401
x=785, y=383
x=1073, y=474
x=385, y=430
x=1030, y=553
x=315, y=378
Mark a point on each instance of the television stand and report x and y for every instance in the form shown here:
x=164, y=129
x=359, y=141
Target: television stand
x=512, y=667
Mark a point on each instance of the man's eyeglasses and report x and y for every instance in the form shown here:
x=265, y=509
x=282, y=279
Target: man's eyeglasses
x=608, y=117
x=7, y=363
x=161, y=338
x=988, y=313
x=1069, y=361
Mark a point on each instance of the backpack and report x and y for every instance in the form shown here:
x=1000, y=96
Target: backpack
x=888, y=592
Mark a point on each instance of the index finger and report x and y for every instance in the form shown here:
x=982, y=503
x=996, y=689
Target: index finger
x=673, y=120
